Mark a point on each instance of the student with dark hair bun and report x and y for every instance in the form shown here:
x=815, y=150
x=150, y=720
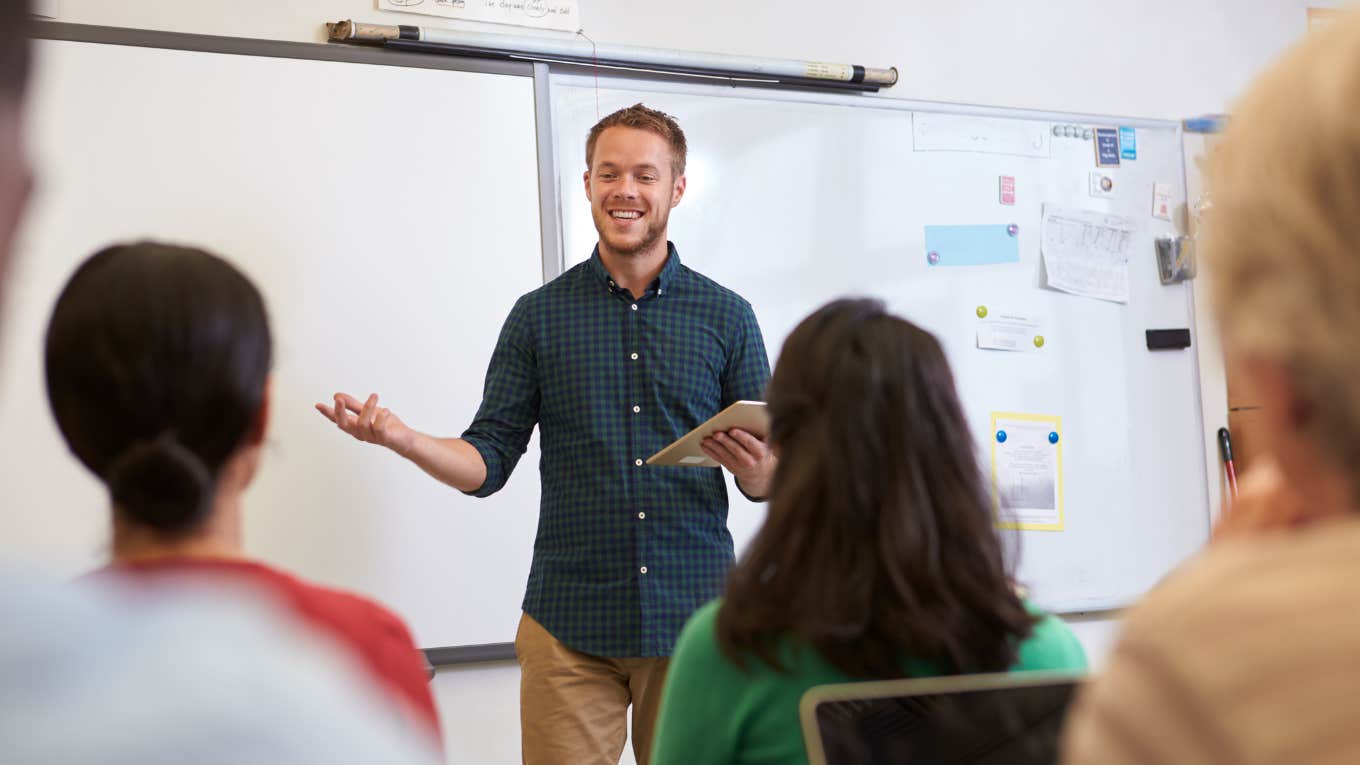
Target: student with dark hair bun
x=157, y=362
x=878, y=560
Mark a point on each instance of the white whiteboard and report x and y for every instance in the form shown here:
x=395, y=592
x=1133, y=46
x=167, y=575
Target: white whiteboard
x=390, y=241
x=795, y=200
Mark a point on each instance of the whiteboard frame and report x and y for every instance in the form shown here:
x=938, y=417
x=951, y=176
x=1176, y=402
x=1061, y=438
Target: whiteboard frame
x=549, y=224
x=646, y=82
x=545, y=77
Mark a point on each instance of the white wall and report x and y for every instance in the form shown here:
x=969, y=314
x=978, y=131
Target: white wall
x=1157, y=58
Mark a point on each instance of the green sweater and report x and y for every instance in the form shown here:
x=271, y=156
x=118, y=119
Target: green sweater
x=714, y=712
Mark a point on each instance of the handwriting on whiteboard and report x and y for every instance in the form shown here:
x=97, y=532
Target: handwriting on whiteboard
x=983, y=135
x=543, y=14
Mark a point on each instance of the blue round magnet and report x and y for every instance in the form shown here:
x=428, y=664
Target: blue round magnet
x=1053, y=437
x=932, y=257
x=1012, y=229
x=1001, y=436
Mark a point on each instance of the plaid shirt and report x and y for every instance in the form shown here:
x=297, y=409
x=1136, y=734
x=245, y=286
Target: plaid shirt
x=625, y=551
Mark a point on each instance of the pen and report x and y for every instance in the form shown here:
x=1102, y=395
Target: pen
x=1225, y=450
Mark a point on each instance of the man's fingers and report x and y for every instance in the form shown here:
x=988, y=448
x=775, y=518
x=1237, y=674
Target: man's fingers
x=370, y=410
x=741, y=457
x=749, y=442
x=325, y=410
x=341, y=418
x=349, y=402
x=718, y=452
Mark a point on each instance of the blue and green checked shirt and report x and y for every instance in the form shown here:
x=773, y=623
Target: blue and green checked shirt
x=625, y=551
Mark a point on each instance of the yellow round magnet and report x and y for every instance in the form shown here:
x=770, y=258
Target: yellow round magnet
x=1038, y=341
x=982, y=312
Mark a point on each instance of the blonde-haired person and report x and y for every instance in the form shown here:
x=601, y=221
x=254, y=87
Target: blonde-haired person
x=1249, y=654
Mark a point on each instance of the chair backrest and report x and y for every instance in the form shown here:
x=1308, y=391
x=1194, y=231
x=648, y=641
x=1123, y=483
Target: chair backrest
x=1014, y=718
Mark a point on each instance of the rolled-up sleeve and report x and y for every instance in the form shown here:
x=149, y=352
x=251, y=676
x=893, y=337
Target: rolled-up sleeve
x=747, y=372
x=510, y=401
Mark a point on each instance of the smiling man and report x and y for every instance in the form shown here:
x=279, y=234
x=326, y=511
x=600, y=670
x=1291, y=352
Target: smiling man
x=612, y=360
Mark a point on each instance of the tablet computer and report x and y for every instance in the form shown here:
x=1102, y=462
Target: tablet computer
x=750, y=416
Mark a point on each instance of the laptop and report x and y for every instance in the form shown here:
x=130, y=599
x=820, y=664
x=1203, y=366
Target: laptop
x=1014, y=718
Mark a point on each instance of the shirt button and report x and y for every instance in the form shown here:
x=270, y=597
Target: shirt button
x=637, y=409
x=635, y=306
x=643, y=569
x=641, y=516
x=638, y=463
x=658, y=291
x=633, y=357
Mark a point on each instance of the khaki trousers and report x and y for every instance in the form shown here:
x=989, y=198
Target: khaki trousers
x=573, y=706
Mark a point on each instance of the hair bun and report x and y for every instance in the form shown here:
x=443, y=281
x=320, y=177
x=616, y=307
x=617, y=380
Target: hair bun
x=161, y=483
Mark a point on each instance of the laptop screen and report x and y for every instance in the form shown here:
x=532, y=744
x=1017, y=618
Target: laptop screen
x=1013, y=720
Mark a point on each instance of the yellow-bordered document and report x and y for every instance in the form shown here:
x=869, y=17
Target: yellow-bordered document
x=1027, y=479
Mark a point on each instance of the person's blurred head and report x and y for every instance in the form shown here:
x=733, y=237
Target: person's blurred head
x=879, y=542
x=15, y=176
x=1282, y=251
x=157, y=362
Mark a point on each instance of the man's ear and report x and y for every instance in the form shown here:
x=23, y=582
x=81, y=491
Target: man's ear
x=1268, y=384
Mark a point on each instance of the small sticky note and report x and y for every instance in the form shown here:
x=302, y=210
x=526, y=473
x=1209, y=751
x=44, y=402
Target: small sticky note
x=1161, y=201
x=1107, y=147
x=1128, y=143
x=1007, y=189
x=1102, y=185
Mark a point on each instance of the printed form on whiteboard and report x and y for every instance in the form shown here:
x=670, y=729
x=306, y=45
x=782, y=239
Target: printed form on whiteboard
x=1009, y=332
x=1087, y=252
x=540, y=14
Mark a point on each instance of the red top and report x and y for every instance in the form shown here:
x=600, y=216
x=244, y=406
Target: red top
x=377, y=636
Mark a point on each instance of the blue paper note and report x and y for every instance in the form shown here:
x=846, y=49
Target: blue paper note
x=984, y=245
x=1128, y=143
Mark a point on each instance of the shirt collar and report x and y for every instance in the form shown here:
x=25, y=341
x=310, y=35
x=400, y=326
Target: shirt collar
x=664, y=281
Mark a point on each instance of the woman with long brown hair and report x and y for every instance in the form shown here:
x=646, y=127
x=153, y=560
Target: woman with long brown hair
x=878, y=559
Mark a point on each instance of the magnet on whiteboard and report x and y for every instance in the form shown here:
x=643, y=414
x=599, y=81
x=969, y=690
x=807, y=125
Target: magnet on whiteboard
x=932, y=257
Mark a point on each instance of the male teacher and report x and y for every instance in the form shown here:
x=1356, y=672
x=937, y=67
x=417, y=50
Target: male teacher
x=613, y=360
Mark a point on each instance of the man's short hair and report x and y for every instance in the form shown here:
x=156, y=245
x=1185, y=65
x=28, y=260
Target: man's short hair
x=14, y=48
x=641, y=118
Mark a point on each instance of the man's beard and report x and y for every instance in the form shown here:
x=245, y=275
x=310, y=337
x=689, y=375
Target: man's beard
x=649, y=239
